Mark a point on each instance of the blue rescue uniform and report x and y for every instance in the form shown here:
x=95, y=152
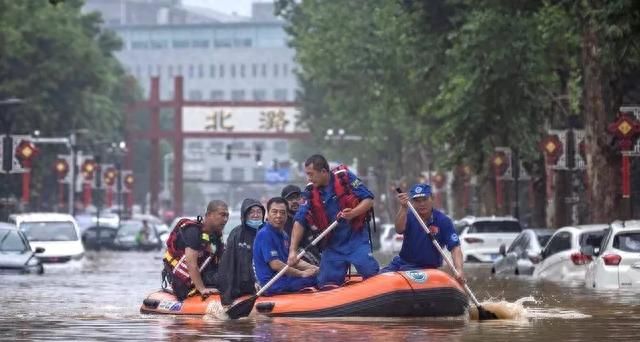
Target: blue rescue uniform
x=346, y=245
x=271, y=244
x=417, y=249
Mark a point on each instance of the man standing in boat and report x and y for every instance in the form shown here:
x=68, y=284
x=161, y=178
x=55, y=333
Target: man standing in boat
x=271, y=250
x=417, y=249
x=336, y=194
x=293, y=195
x=193, y=252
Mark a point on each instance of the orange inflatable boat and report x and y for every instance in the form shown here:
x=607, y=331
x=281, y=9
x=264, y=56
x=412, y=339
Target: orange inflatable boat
x=418, y=293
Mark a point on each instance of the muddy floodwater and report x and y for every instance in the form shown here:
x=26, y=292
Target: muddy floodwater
x=98, y=299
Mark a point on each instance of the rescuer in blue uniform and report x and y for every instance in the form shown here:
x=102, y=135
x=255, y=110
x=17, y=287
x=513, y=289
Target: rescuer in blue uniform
x=336, y=194
x=417, y=249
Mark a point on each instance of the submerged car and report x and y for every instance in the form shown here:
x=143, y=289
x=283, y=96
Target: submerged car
x=16, y=255
x=481, y=237
x=132, y=235
x=562, y=258
x=616, y=263
x=523, y=254
x=58, y=234
x=99, y=237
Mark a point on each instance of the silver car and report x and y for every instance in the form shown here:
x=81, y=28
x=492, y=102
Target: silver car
x=523, y=254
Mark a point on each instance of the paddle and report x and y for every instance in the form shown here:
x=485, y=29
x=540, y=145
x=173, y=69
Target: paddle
x=243, y=308
x=483, y=314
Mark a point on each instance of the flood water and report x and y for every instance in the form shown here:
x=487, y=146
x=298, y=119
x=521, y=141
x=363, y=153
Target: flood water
x=99, y=298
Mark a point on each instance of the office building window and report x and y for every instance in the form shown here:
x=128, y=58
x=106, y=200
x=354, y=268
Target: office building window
x=280, y=94
x=237, y=174
x=280, y=146
x=149, y=70
x=237, y=95
x=200, y=43
x=275, y=70
x=264, y=70
x=179, y=73
x=195, y=95
x=159, y=70
x=216, y=174
x=285, y=70
x=180, y=44
x=254, y=70
x=192, y=71
x=212, y=71
x=138, y=71
x=258, y=174
x=170, y=70
x=241, y=70
x=259, y=95
x=200, y=71
x=221, y=71
x=216, y=95
x=232, y=71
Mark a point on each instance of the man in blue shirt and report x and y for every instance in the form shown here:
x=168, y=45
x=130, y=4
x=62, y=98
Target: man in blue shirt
x=348, y=243
x=271, y=250
x=417, y=249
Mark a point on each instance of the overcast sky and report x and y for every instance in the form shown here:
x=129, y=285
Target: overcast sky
x=241, y=7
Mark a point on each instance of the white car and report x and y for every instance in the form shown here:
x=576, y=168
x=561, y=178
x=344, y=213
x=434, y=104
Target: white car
x=523, y=253
x=481, y=237
x=562, y=259
x=390, y=241
x=58, y=234
x=617, y=260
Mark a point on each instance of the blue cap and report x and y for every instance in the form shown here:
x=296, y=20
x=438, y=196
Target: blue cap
x=420, y=190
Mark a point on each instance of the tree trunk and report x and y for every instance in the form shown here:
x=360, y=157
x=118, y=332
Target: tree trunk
x=603, y=164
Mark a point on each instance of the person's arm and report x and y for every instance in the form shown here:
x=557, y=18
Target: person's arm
x=401, y=215
x=296, y=236
x=191, y=259
x=278, y=265
x=458, y=261
x=305, y=266
x=361, y=209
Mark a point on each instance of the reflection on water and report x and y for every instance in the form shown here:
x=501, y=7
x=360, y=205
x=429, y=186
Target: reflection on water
x=98, y=299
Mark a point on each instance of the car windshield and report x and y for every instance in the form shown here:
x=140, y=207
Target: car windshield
x=132, y=228
x=496, y=227
x=543, y=239
x=49, y=231
x=10, y=241
x=628, y=242
x=592, y=238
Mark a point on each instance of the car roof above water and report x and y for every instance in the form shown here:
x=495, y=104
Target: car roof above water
x=42, y=217
x=6, y=225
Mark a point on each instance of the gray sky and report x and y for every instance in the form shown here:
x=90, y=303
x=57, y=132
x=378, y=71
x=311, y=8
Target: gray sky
x=241, y=7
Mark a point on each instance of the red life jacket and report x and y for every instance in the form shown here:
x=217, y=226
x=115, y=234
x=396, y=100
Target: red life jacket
x=317, y=215
x=174, y=257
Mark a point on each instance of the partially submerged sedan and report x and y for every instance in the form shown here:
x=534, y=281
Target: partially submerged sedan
x=15, y=252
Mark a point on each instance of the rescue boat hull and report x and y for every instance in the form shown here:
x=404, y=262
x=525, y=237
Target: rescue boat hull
x=418, y=293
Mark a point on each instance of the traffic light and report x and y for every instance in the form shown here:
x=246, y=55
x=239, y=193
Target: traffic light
x=228, y=154
x=7, y=153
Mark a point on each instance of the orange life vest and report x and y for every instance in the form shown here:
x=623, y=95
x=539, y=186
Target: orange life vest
x=174, y=257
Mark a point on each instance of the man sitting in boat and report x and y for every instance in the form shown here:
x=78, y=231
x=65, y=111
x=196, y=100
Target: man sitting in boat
x=271, y=250
x=193, y=252
x=417, y=249
x=293, y=195
x=235, y=275
x=334, y=192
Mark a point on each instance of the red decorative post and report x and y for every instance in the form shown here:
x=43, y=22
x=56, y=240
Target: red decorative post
x=128, y=183
x=500, y=165
x=61, y=168
x=110, y=176
x=88, y=169
x=552, y=148
x=626, y=128
x=25, y=152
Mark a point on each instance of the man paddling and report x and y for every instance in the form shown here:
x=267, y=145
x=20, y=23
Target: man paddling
x=271, y=250
x=417, y=249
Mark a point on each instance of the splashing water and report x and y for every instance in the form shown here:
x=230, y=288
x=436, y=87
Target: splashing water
x=516, y=311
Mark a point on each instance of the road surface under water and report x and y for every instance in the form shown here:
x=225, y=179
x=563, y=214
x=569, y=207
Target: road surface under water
x=99, y=298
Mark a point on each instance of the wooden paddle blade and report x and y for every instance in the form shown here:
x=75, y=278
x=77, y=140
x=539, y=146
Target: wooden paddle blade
x=484, y=315
x=242, y=309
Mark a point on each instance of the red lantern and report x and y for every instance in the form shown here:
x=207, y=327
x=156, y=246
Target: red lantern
x=128, y=181
x=62, y=168
x=500, y=163
x=26, y=151
x=88, y=168
x=552, y=147
x=625, y=128
x=110, y=175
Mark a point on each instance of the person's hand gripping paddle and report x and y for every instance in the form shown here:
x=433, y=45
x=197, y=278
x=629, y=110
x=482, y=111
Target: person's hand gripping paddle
x=483, y=314
x=243, y=308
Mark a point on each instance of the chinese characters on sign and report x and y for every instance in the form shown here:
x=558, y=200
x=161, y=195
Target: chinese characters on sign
x=218, y=120
x=273, y=120
x=241, y=120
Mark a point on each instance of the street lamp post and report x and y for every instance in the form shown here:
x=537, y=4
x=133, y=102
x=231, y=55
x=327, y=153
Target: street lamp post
x=7, y=145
